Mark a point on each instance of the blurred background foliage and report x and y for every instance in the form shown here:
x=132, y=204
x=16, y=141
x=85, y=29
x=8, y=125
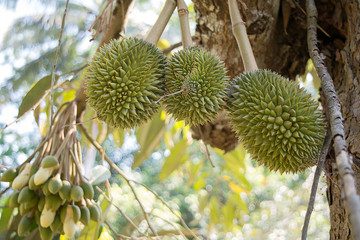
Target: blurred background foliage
x=235, y=200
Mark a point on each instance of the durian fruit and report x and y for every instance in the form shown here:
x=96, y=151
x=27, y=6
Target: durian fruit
x=277, y=121
x=124, y=81
x=202, y=79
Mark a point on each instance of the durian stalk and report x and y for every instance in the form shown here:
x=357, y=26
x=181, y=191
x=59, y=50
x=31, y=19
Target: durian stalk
x=239, y=31
x=160, y=24
x=183, y=13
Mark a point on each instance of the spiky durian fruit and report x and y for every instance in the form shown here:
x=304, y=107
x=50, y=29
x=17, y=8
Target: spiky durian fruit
x=124, y=81
x=202, y=79
x=277, y=121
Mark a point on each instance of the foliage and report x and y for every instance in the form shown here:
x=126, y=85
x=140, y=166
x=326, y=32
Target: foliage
x=236, y=199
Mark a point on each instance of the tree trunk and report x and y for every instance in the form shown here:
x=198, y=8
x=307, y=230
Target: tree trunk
x=277, y=32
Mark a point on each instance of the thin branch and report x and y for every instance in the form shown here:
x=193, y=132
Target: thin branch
x=343, y=162
x=120, y=172
x=168, y=50
x=206, y=148
x=317, y=175
x=239, y=31
x=176, y=228
x=160, y=24
x=168, y=95
x=168, y=207
x=183, y=13
x=121, y=212
x=55, y=62
x=4, y=191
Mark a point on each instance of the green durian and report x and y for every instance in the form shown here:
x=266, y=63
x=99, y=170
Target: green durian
x=278, y=122
x=202, y=79
x=124, y=82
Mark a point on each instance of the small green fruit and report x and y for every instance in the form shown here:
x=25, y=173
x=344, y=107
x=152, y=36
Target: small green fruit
x=13, y=201
x=41, y=203
x=65, y=190
x=88, y=190
x=55, y=184
x=76, y=193
x=33, y=170
x=45, y=188
x=45, y=233
x=37, y=217
x=57, y=225
x=32, y=185
x=24, y=225
x=25, y=195
x=85, y=215
x=32, y=203
x=53, y=202
x=49, y=162
x=9, y=175
x=94, y=212
x=76, y=213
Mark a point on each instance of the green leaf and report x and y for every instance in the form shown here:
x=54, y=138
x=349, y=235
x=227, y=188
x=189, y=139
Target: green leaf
x=214, y=210
x=99, y=175
x=228, y=214
x=119, y=136
x=34, y=96
x=36, y=114
x=5, y=217
x=173, y=161
x=235, y=158
x=148, y=137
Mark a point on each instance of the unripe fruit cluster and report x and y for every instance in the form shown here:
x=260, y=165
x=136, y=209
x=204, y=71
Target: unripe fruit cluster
x=55, y=204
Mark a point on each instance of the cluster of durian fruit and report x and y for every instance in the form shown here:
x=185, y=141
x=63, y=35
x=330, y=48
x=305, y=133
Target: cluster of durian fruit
x=277, y=121
x=56, y=205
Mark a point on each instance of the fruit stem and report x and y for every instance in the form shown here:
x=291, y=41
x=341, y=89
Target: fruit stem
x=160, y=24
x=239, y=31
x=183, y=13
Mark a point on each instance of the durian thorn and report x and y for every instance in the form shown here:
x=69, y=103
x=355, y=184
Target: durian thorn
x=183, y=13
x=168, y=95
x=206, y=148
x=160, y=24
x=239, y=31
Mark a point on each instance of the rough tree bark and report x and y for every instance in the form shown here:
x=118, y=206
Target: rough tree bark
x=277, y=31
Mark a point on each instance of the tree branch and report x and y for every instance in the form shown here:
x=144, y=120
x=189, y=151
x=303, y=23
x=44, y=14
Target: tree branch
x=317, y=175
x=55, y=62
x=120, y=172
x=343, y=162
x=240, y=34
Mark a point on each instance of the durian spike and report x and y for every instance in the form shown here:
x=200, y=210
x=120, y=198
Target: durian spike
x=239, y=31
x=160, y=24
x=183, y=13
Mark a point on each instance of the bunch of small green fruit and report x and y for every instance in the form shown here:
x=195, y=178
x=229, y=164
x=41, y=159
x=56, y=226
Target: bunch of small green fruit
x=57, y=205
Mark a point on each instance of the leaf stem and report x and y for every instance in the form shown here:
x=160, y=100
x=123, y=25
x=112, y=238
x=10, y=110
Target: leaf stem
x=317, y=175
